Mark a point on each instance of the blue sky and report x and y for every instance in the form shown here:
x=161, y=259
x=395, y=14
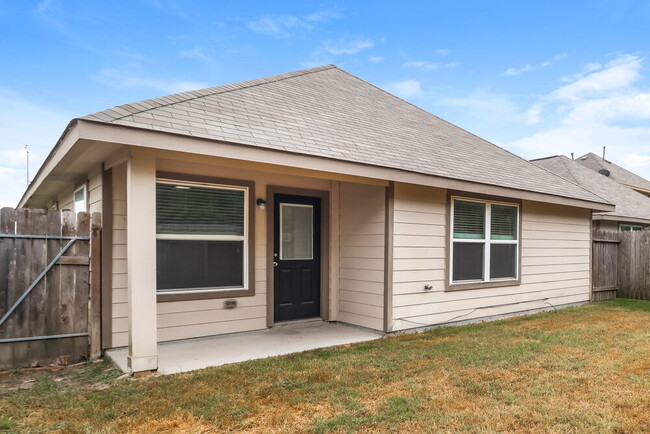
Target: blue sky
x=538, y=78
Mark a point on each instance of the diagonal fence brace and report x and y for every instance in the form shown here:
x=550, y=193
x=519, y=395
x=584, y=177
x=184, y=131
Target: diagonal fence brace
x=36, y=281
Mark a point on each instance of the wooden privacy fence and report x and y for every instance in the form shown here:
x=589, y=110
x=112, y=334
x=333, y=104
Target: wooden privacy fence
x=604, y=256
x=49, y=287
x=634, y=265
x=621, y=265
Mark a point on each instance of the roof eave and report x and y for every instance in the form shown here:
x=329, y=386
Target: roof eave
x=66, y=140
x=613, y=217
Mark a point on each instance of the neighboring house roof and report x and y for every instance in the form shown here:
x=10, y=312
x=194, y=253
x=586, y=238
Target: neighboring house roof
x=630, y=204
x=327, y=112
x=617, y=173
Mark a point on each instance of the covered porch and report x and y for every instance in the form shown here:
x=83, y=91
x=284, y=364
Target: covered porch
x=190, y=354
x=294, y=244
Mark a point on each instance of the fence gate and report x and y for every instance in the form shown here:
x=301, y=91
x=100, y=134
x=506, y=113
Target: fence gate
x=604, y=256
x=49, y=287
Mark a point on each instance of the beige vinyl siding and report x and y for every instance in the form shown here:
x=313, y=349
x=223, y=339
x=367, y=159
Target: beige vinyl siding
x=120, y=317
x=65, y=199
x=361, y=258
x=95, y=189
x=555, y=262
x=188, y=319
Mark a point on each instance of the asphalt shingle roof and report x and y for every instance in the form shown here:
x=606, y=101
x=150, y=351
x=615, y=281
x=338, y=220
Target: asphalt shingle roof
x=327, y=112
x=629, y=203
x=617, y=173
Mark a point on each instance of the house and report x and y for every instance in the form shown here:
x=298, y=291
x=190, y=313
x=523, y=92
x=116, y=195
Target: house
x=615, y=172
x=310, y=194
x=632, y=207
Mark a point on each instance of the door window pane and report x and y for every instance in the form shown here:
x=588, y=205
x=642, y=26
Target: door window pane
x=190, y=264
x=503, y=261
x=468, y=261
x=296, y=231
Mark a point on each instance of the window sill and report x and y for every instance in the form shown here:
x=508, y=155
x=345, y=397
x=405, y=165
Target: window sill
x=481, y=285
x=164, y=297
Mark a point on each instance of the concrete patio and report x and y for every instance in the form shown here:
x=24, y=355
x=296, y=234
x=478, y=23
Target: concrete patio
x=190, y=354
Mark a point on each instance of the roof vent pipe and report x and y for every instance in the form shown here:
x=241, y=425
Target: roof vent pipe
x=603, y=152
x=572, y=155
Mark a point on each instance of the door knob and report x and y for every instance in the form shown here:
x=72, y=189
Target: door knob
x=275, y=264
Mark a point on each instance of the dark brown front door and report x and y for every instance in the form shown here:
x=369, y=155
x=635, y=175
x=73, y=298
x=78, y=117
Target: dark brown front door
x=296, y=257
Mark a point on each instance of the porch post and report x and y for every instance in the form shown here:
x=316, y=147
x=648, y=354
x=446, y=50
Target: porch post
x=141, y=253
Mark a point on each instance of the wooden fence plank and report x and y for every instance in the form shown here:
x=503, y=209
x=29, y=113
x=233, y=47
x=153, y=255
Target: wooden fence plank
x=37, y=298
x=66, y=288
x=94, y=303
x=7, y=247
x=59, y=303
x=81, y=287
x=53, y=285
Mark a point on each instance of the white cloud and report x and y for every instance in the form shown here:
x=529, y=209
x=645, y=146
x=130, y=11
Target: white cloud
x=43, y=6
x=616, y=75
x=329, y=50
x=442, y=52
x=199, y=55
x=529, y=67
x=406, y=88
x=347, y=46
x=125, y=78
x=533, y=115
x=282, y=26
x=376, y=59
x=421, y=64
x=602, y=106
x=517, y=71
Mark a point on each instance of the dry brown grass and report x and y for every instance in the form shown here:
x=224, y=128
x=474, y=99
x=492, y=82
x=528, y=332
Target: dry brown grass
x=583, y=369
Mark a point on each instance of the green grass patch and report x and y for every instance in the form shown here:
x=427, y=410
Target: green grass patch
x=577, y=369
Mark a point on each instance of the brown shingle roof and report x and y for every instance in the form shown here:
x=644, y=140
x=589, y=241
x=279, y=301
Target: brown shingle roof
x=629, y=203
x=327, y=112
x=617, y=173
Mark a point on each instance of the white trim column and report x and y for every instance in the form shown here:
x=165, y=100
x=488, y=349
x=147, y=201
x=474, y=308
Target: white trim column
x=141, y=253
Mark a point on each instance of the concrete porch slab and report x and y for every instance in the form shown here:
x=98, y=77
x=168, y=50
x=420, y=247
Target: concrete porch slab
x=190, y=354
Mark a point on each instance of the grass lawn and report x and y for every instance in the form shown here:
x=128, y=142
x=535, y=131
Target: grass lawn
x=584, y=369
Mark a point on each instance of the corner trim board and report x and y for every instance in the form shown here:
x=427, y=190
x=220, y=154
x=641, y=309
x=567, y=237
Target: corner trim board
x=388, y=256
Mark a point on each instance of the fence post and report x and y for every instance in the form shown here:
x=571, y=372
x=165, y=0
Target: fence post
x=94, y=299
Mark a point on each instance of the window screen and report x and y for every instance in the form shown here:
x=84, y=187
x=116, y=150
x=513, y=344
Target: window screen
x=201, y=236
x=189, y=264
x=485, y=241
x=469, y=219
x=184, y=209
x=468, y=261
x=504, y=222
x=503, y=261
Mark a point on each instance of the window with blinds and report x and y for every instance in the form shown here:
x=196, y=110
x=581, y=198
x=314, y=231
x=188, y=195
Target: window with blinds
x=485, y=241
x=469, y=219
x=201, y=236
x=503, y=224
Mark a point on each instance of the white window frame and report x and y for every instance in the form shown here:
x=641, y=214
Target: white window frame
x=487, y=241
x=632, y=227
x=200, y=237
x=83, y=188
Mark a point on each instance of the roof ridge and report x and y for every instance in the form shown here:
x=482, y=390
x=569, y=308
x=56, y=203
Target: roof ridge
x=574, y=180
x=238, y=85
x=563, y=159
x=463, y=129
